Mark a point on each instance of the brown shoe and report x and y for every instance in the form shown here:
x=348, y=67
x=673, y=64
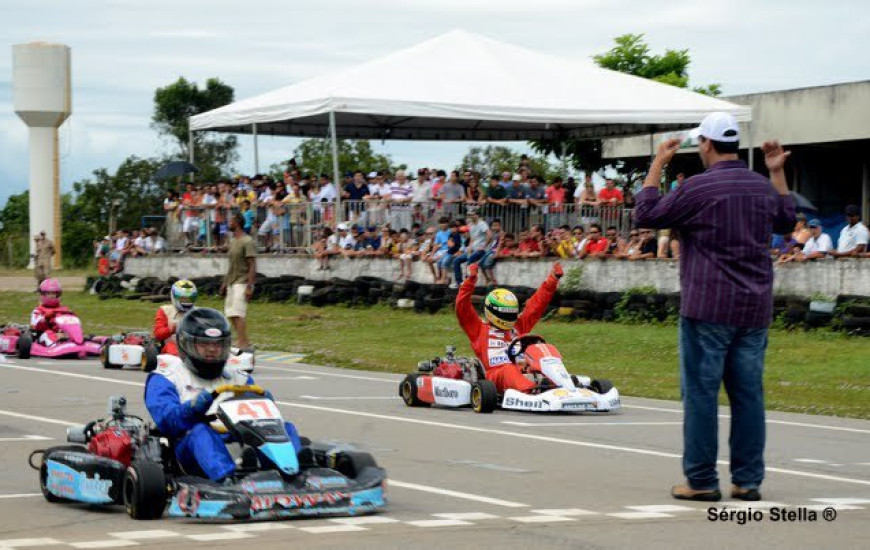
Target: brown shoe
x=684, y=492
x=742, y=493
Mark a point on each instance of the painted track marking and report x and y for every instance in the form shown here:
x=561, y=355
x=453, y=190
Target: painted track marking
x=585, y=424
x=534, y=437
x=456, y=494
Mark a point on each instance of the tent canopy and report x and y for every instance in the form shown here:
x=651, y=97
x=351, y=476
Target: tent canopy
x=483, y=90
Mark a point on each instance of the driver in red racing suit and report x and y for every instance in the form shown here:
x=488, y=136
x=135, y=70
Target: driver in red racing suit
x=183, y=295
x=490, y=338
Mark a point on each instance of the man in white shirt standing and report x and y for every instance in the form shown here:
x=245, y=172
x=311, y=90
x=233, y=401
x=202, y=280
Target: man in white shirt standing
x=818, y=245
x=401, y=194
x=854, y=237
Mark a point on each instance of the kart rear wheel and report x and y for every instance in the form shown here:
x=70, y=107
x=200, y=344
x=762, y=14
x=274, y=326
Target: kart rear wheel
x=484, y=396
x=145, y=490
x=104, y=357
x=149, y=358
x=43, y=471
x=408, y=392
x=25, y=341
x=601, y=386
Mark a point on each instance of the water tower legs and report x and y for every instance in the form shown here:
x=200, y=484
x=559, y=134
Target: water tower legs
x=45, y=188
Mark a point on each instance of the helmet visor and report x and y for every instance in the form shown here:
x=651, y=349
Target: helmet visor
x=209, y=350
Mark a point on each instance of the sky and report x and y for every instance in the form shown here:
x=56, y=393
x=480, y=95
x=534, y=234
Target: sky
x=122, y=50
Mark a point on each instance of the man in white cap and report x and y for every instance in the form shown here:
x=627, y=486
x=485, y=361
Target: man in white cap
x=724, y=217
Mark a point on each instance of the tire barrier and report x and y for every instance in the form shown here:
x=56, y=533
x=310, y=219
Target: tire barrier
x=850, y=313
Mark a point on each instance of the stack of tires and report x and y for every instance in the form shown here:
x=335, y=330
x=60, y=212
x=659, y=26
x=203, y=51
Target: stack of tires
x=854, y=314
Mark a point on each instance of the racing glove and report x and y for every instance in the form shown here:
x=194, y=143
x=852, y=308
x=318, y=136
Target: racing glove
x=557, y=270
x=201, y=403
x=472, y=271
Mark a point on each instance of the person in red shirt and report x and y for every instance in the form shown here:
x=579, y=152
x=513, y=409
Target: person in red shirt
x=504, y=322
x=183, y=295
x=596, y=244
x=610, y=195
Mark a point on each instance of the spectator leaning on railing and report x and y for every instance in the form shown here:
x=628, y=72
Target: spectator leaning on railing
x=854, y=238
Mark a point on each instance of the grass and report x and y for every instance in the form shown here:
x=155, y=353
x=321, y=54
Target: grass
x=818, y=372
x=72, y=272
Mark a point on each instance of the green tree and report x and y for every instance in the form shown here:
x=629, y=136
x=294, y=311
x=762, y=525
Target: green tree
x=175, y=104
x=495, y=159
x=314, y=156
x=630, y=55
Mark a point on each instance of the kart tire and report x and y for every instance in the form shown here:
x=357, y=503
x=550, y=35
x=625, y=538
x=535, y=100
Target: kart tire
x=149, y=358
x=104, y=357
x=601, y=386
x=484, y=396
x=408, y=392
x=25, y=342
x=43, y=471
x=145, y=490
x=351, y=463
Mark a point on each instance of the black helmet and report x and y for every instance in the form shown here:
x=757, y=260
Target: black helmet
x=204, y=342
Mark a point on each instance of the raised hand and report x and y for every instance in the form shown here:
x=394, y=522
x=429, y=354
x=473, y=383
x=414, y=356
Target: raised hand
x=774, y=155
x=557, y=270
x=472, y=271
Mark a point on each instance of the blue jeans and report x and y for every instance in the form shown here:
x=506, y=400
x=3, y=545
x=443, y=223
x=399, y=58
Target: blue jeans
x=472, y=258
x=711, y=353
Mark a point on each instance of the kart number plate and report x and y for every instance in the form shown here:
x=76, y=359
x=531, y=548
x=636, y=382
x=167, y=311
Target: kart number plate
x=578, y=406
x=250, y=409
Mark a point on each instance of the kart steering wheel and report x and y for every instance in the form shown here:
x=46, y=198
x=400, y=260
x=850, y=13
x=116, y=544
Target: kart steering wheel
x=518, y=345
x=237, y=389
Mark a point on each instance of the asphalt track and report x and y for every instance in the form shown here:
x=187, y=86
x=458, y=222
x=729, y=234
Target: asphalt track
x=457, y=479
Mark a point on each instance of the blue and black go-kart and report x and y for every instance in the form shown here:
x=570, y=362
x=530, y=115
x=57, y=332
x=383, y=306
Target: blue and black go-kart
x=124, y=460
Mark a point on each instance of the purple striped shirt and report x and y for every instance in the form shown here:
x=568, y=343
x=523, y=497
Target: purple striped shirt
x=724, y=217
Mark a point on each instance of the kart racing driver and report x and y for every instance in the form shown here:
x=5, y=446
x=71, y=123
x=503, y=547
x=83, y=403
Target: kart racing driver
x=490, y=338
x=183, y=296
x=42, y=318
x=179, y=394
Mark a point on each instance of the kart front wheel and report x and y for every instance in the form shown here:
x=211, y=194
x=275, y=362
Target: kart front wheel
x=351, y=463
x=145, y=490
x=484, y=396
x=408, y=392
x=601, y=386
x=23, y=345
x=149, y=358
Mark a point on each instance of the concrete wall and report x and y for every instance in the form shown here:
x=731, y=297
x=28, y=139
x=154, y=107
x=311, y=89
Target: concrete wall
x=825, y=277
x=805, y=115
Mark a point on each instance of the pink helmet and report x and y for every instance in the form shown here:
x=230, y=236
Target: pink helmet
x=53, y=286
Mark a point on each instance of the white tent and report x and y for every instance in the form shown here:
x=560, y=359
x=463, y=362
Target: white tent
x=462, y=86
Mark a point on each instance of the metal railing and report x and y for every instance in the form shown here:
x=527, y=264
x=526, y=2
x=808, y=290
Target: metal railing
x=293, y=227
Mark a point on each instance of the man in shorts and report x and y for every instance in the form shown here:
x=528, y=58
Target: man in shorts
x=238, y=286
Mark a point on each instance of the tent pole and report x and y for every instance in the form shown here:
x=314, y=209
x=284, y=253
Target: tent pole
x=335, y=179
x=749, y=144
x=190, y=148
x=256, y=149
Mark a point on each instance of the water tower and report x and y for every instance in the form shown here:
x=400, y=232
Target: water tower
x=42, y=94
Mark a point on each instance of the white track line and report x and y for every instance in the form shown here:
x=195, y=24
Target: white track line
x=25, y=438
x=519, y=435
x=19, y=495
x=585, y=424
x=456, y=494
x=37, y=418
x=333, y=374
x=362, y=398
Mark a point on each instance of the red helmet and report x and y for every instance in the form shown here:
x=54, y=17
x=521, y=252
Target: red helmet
x=50, y=286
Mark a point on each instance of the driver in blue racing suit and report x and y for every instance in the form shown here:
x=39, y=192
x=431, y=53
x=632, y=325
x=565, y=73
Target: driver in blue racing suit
x=179, y=393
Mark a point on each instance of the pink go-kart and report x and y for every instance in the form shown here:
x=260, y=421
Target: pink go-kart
x=16, y=340
x=64, y=339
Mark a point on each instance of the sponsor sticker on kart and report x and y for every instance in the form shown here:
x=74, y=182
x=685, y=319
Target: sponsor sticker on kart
x=250, y=409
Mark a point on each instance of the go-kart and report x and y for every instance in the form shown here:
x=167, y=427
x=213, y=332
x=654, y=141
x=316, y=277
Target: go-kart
x=130, y=349
x=127, y=461
x=452, y=381
x=71, y=339
x=16, y=340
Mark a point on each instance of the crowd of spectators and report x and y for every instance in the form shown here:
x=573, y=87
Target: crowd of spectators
x=445, y=220
x=111, y=251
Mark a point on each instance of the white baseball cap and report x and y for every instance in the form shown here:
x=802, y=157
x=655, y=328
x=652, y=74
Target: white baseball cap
x=373, y=174
x=342, y=227
x=720, y=127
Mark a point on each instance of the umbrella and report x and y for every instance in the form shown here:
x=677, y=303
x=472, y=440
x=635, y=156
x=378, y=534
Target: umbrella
x=802, y=203
x=175, y=169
